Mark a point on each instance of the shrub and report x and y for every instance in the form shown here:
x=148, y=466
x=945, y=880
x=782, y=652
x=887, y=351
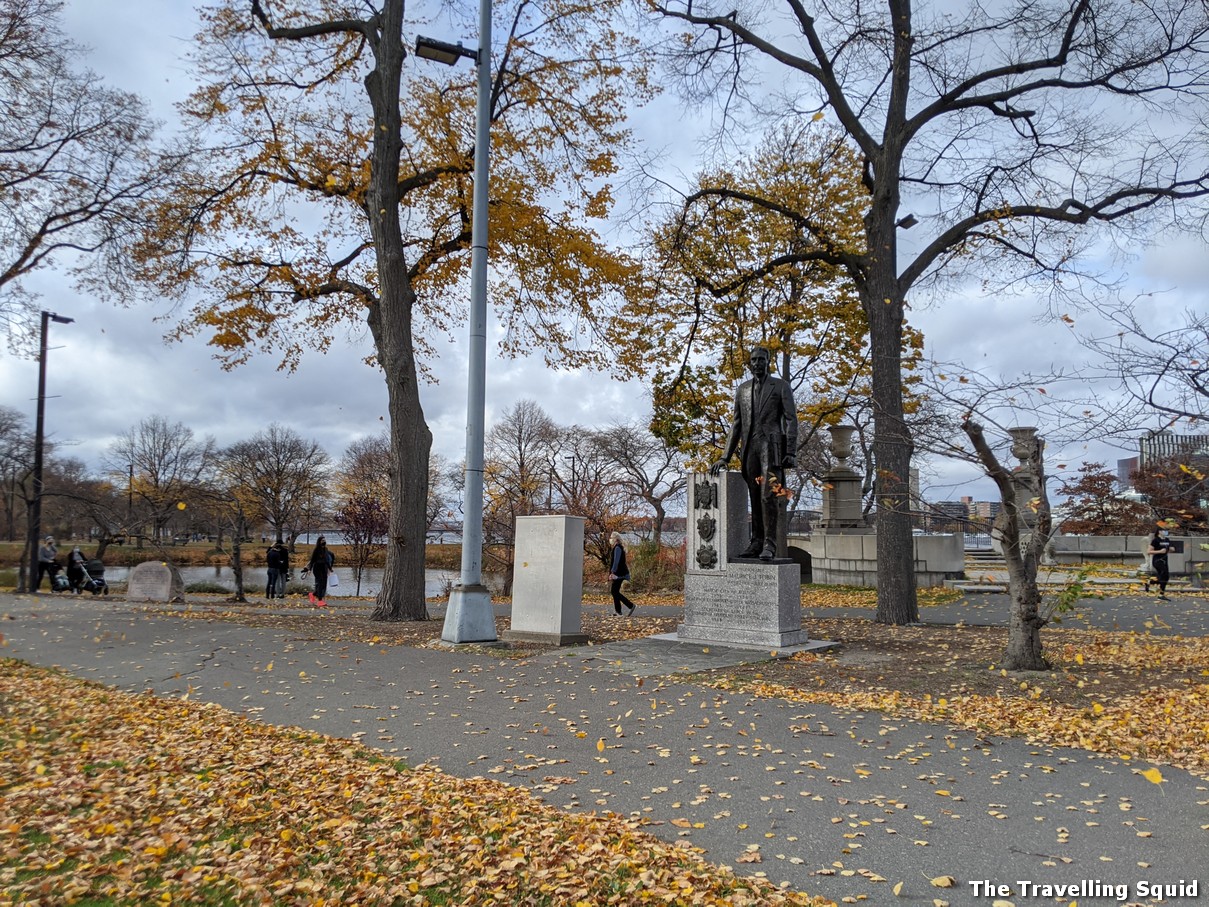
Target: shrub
x=655, y=568
x=208, y=587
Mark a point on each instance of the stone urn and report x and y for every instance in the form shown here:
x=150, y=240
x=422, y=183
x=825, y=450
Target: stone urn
x=1024, y=441
x=841, y=445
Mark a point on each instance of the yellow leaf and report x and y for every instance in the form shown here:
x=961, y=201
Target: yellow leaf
x=600, y=745
x=1153, y=775
x=898, y=889
x=1079, y=659
x=818, y=116
x=944, y=882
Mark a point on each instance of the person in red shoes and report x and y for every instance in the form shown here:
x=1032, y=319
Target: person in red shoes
x=320, y=567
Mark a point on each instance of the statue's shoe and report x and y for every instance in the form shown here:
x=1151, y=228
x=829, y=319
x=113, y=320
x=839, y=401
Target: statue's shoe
x=752, y=550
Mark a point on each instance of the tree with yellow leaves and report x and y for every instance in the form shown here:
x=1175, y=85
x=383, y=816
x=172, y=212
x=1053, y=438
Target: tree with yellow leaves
x=1005, y=131
x=726, y=279
x=329, y=185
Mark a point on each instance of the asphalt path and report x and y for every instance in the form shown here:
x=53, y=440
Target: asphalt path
x=834, y=803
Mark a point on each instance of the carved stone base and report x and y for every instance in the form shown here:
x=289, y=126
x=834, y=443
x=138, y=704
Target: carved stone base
x=753, y=604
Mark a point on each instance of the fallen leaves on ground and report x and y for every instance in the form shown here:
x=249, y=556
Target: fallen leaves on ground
x=1130, y=695
x=350, y=622
x=133, y=800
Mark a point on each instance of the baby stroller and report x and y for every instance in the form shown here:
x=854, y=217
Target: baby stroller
x=93, y=579
x=58, y=582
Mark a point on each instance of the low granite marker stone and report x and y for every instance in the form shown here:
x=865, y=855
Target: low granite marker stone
x=155, y=581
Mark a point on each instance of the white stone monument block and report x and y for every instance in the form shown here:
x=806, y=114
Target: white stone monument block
x=548, y=581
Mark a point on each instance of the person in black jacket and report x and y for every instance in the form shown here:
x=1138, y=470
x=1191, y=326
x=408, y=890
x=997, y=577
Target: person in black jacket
x=319, y=566
x=272, y=559
x=618, y=574
x=283, y=569
x=1160, y=547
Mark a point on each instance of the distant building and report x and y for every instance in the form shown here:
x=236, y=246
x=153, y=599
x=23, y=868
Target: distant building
x=983, y=510
x=1164, y=445
x=949, y=516
x=1125, y=470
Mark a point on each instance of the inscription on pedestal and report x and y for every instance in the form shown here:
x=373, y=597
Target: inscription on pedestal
x=750, y=605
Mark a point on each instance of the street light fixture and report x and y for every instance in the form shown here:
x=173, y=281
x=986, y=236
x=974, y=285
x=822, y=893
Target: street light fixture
x=35, y=510
x=469, y=616
x=443, y=51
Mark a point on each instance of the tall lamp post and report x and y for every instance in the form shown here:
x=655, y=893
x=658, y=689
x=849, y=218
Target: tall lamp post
x=35, y=510
x=469, y=617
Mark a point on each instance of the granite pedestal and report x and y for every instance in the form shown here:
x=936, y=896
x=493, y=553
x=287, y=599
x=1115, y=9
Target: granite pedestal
x=728, y=600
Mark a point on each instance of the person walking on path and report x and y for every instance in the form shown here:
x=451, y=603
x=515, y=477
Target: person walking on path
x=272, y=559
x=618, y=574
x=47, y=565
x=283, y=568
x=76, y=562
x=319, y=566
x=1159, y=548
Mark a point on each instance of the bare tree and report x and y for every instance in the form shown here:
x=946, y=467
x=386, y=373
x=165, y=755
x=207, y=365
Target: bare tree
x=16, y=469
x=279, y=471
x=1006, y=129
x=1021, y=550
x=366, y=466
x=164, y=466
x=649, y=469
x=589, y=483
x=364, y=522
x=519, y=463
x=72, y=158
x=1167, y=370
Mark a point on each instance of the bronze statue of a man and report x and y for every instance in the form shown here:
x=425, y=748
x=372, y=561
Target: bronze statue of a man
x=765, y=430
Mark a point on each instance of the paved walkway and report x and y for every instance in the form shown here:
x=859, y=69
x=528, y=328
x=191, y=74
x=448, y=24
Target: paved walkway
x=834, y=802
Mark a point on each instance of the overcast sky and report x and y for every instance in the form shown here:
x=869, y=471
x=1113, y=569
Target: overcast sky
x=111, y=367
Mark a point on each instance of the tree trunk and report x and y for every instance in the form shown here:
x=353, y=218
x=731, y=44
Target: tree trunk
x=892, y=447
x=1023, y=651
x=657, y=526
x=1024, y=627
x=241, y=530
x=390, y=322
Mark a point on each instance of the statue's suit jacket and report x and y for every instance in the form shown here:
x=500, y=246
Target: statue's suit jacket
x=767, y=426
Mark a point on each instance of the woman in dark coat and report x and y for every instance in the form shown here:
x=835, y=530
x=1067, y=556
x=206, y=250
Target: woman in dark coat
x=619, y=572
x=320, y=565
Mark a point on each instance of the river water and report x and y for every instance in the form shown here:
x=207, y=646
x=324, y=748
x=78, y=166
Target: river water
x=436, y=582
